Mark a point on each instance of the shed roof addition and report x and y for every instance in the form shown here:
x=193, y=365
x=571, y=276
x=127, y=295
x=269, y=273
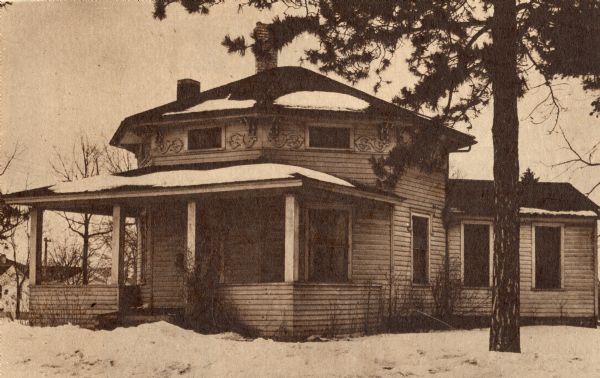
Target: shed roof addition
x=476, y=197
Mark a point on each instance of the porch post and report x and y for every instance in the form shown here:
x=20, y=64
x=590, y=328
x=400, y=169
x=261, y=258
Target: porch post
x=36, y=220
x=118, y=236
x=292, y=238
x=190, y=260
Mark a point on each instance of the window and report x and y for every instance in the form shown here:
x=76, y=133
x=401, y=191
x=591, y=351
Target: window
x=329, y=137
x=328, y=244
x=420, y=249
x=205, y=139
x=476, y=255
x=547, y=257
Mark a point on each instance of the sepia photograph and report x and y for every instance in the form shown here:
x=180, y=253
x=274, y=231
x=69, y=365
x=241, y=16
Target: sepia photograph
x=291, y=188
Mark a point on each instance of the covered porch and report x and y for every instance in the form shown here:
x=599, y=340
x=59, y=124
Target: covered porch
x=297, y=253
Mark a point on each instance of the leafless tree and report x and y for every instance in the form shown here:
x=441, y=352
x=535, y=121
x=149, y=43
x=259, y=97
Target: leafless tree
x=19, y=270
x=84, y=161
x=88, y=159
x=579, y=159
x=10, y=217
x=117, y=160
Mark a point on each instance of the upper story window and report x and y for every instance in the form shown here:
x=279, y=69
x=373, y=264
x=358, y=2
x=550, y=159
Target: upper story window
x=205, y=139
x=476, y=255
x=420, y=249
x=548, y=255
x=329, y=137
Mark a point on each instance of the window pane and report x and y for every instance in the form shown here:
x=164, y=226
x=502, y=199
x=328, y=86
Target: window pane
x=476, y=255
x=328, y=245
x=420, y=240
x=547, y=257
x=329, y=137
x=202, y=139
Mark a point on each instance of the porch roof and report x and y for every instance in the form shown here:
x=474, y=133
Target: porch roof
x=138, y=185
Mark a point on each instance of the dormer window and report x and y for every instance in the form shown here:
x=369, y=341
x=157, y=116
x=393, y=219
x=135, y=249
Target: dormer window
x=329, y=137
x=205, y=138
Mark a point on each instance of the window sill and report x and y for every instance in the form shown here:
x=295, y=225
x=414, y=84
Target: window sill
x=330, y=149
x=559, y=289
x=196, y=150
x=476, y=287
x=421, y=285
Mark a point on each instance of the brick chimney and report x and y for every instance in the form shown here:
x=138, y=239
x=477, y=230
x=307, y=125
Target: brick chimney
x=265, y=51
x=187, y=89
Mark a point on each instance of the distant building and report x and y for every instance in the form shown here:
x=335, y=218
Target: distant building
x=8, y=287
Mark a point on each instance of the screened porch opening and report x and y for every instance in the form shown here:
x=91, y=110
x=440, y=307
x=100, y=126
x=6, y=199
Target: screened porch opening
x=248, y=235
x=328, y=244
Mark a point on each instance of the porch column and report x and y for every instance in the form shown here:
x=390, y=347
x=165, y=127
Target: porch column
x=292, y=238
x=118, y=236
x=36, y=220
x=190, y=259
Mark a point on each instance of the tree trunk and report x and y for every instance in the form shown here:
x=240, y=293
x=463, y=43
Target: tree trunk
x=86, y=249
x=18, y=299
x=504, y=328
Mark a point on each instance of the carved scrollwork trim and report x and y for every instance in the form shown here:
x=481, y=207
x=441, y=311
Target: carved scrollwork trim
x=279, y=139
x=284, y=140
x=238, y=140
x=252, y=124
x=384, y=132
x=370, y=144
x=166, y=146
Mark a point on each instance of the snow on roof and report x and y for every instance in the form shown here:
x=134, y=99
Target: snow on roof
x=179, y=178
x=218, y=104
x=534, y=211
x=322, y=100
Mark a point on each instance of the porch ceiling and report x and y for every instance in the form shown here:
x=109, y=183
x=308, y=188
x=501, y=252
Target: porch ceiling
x=98, y=194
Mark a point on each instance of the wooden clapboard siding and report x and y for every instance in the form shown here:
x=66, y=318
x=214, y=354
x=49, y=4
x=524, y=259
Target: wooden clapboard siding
x=264, y=308
x=304, y=309
x=425, y=194
x=336, y=309
x=206, y=157
x=348, y=165
x=371, y=245
x=168, y=241
x=373, y=235
x=576, y=299
x=60, y=304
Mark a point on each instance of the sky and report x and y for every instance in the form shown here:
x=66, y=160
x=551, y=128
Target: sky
x=79, y=67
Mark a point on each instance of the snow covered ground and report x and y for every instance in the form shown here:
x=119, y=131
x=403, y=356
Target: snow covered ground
x=163, y=350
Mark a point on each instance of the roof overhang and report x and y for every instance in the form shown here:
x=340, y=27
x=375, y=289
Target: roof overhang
x=101, y=201
x=584, y=215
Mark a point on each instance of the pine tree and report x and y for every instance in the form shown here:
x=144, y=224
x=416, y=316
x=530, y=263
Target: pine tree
x=529, y=178
x=465, y=56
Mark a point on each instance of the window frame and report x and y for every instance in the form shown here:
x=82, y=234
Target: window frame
x=429, y=228
x=490, y=224
x=307, y=256
x=330, y=126
x=203, y=127
x=561, y=226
